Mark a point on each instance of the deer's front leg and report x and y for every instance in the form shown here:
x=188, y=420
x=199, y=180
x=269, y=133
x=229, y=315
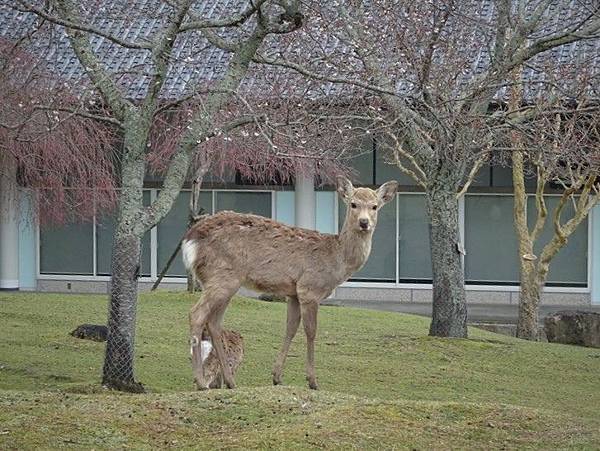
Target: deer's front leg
x=309, y=320
x=293, y=321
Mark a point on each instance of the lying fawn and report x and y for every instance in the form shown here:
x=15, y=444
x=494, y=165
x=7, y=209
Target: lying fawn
x=212, y=372
x=227, y=250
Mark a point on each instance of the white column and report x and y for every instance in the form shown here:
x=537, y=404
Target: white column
x=9, y=226
x=305, y=201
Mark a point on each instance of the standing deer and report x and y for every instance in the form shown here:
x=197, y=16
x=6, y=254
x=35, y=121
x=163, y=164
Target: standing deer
x=228, y=250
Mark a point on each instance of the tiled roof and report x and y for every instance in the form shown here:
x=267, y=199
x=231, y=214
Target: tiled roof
x=199, y=63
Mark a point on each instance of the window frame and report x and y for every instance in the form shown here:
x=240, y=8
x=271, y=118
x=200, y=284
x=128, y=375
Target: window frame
x=508, y=287
x=349, y=284
x=153, y=245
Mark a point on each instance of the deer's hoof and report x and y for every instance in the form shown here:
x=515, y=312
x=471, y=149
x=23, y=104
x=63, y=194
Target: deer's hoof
x=276, y=379
x=312, y=384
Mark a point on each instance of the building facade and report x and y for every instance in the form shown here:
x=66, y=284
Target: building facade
x=76, y=257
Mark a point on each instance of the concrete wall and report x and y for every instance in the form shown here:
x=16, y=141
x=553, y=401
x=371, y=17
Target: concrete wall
x=414, y=295
x=404, y=295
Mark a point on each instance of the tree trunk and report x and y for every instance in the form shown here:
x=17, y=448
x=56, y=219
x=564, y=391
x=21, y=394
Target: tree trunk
x=529, y=301
x=118, y=363
x=530, y=279
x=449, y=317
x=125, y=269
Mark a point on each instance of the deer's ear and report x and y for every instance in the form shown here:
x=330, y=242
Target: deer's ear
x=387, y=191
x=344, y=188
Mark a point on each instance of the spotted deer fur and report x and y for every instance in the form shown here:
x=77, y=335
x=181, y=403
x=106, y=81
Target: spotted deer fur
x=228, y=250
x=234, y=350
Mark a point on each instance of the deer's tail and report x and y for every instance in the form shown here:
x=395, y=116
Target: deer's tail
x=189, y=250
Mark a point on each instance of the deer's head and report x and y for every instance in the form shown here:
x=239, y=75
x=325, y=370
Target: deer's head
x=363, y=204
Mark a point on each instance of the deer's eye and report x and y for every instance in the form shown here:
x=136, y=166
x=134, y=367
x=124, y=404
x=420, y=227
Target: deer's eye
x=353, y=205
x=374, y=207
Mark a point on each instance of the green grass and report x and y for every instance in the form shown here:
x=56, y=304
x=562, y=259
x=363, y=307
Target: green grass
x=383, y=384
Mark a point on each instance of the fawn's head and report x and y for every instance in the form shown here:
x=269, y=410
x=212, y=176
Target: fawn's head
x=363, y=204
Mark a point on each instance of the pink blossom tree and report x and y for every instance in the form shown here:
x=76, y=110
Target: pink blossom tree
x=181, y=35
x=62, y=152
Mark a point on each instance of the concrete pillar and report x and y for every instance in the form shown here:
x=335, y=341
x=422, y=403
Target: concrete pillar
x=27, y=242
x=305, y=201
x=9, y=225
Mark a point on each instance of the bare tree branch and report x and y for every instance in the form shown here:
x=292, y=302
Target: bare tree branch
x=472, y=174
x=79, y=26
x=201, y=127
x=540, y=203
x=303, y=70
x=100, y=77
x=161, y=54
x=234, y=20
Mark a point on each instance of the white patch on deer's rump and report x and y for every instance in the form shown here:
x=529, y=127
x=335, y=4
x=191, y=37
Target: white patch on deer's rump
x=188, y=250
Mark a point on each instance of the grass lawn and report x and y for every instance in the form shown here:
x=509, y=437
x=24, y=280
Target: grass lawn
x=383, y=384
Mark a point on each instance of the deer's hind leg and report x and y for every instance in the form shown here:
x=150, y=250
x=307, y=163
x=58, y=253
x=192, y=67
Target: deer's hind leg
x=207, y=313
x=293, y=321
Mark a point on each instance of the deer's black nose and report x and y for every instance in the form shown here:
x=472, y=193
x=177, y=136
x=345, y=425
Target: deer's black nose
x=364, y=223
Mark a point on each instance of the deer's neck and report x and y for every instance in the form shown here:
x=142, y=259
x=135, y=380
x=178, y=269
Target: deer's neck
x=355, y=247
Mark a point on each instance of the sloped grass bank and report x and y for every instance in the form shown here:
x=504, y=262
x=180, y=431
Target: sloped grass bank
x=274, y=418
x=384, y=383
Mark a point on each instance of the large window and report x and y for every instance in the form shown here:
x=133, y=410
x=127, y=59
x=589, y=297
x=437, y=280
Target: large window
x=67, y=249
x=569, y=266
x=400, y=250
x=413, y=239
x=492, y=247
x=362, y=163
x=374, y=165
x=381, y=265
x=105, y=229
x=173, y=226
x=386, y=169
x=409, y=254
x=490, y=240
x=256, y=202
